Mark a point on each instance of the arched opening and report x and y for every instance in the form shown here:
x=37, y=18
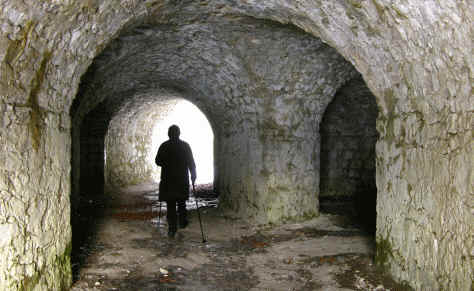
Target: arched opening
x=196, y=130
x=265, y=116
x=413, y=57
x=117, y=144
x=136, y=131
x=348, y=138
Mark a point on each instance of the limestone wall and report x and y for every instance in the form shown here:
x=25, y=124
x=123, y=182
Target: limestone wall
x=34, y=206
x=415, y=56
x=130, y=156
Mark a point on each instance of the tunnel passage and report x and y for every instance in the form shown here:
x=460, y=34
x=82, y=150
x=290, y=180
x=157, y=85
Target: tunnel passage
x=140, y=126
x=115, y=143
x=348, y=138
x=413, y=56
x=116, y=149
x=263, y=87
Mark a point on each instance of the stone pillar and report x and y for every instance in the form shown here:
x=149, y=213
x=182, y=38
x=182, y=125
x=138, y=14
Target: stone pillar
x=269, y=171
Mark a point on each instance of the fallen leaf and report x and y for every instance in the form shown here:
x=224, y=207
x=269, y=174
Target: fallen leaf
x=167, y=280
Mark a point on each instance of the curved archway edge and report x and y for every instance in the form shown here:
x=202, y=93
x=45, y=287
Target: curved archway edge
x=412, y=55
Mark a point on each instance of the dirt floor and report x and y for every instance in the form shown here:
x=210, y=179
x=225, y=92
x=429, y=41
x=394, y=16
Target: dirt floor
x=121, y=246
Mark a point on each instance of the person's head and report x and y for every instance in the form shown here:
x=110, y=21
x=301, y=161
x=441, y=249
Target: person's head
x=173, y=132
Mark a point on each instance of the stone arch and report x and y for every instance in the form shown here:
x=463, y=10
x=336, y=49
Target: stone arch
x=130, y=142
x=348, y=138
x=254, y=109
x=413, y=57
x=140, y=108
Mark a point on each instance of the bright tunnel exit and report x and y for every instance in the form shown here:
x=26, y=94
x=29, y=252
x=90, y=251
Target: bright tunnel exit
x=137, y=130
x=195, y=130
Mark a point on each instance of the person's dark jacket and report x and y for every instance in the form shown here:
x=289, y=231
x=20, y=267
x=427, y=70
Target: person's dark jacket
x=175, y=159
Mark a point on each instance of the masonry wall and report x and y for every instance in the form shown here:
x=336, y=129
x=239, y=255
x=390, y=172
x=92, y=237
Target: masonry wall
x=414, y=56
x=130, y=155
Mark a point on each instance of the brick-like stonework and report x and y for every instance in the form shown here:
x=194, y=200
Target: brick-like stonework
x=415, y=56
x=130, y=156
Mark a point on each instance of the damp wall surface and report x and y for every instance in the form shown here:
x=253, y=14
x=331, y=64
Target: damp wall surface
x=415, y=56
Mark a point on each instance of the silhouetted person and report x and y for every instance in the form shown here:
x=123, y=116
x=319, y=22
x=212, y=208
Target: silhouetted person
x=176, y=161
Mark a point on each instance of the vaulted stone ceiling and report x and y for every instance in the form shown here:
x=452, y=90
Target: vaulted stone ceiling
x=259, y=82
x=415, y=56
x=218, y=62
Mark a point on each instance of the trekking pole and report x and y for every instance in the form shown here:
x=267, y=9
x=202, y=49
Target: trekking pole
x=159, y=216
x=199, y=214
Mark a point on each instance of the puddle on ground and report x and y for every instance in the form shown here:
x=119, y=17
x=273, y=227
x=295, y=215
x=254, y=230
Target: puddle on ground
x=155, y=211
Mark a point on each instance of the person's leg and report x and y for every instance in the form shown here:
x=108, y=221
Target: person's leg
x=182, y=214
x=171, y=215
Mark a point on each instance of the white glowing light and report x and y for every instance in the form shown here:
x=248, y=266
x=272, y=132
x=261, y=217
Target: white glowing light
x=195, y=130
